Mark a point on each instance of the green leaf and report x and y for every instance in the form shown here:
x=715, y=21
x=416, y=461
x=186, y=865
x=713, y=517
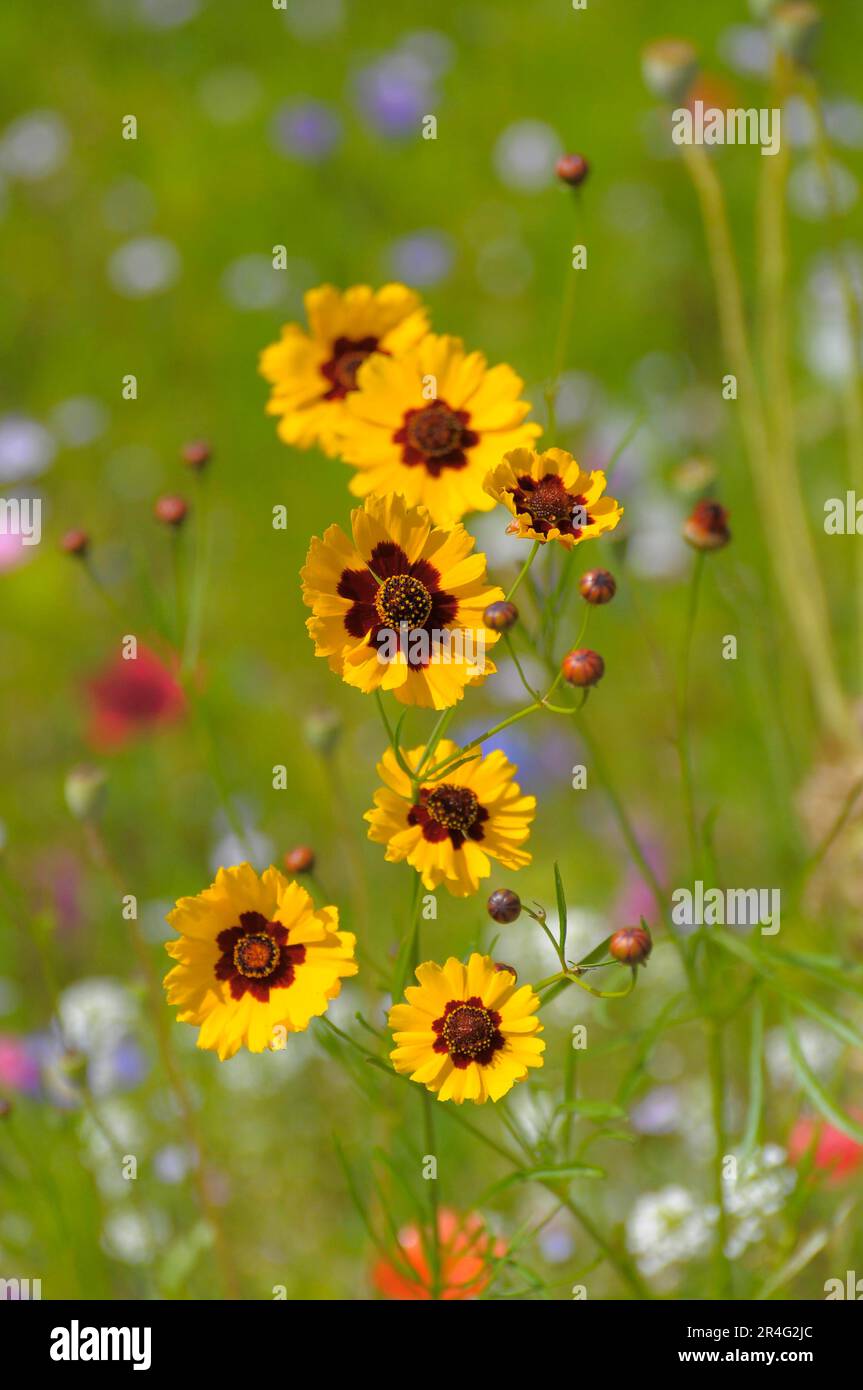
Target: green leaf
x=593, y=1109
x=561, y=908
x=562, y=1172
x=815, y=1091
x=596, y=955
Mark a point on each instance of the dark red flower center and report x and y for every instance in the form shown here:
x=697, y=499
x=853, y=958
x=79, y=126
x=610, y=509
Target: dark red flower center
x=403, y=599
x=341, y=370
x=380, y=604
x=454, y=807
x=436, y=437
x=468, y=1031
x=256, y=957
x=549, y=505
x=448, y=812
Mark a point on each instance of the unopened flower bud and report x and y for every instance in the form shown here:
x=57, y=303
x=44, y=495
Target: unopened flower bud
x=322, y=728
x=583, y=667
x=504, y=906
x=300, y=860
x=597, y=586
x=631, y=945
x=669, y=67
x=500, y=616
x=572, y=169
x=170, y=510
x=706, y=528
x=75, y=542
x=502, y=965
x=197, y=454
x=85, y=791
x=795, y=28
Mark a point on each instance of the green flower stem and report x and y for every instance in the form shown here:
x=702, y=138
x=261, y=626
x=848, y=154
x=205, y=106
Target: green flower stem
x=437, y=734
x=524, y=569
x=684, y=749
x=429, y=1103
x=564, y=332
x=534, y=694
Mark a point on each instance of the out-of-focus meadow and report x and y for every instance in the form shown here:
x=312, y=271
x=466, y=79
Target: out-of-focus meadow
x=153, y=257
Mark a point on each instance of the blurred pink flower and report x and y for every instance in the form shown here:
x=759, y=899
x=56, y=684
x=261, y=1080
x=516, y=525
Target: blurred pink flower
x=836, y=1155
x=133, y=697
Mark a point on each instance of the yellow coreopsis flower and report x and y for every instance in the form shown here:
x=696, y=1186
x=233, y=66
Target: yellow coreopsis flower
x=430, y=424
x=551, y=498
x=313, y=372
x=467, y=1032
x=399, y=604
x=256, y=960
x=455, y=825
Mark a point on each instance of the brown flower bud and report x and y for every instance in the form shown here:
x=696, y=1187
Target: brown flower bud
x=75, y=542
x=597, y=586
x=631, y=945
x=572, y=169
x=504, y=906
x=502, y=965
x=300, y=860
x=197, y=454
x=500, y=616
x=583, y=667
x=5, y=1107
x=171, y=510
x=706, y=528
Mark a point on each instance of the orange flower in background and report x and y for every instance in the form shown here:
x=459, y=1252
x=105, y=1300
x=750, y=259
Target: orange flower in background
x=836, y=1155
x=466, y=1249
x=132, y=697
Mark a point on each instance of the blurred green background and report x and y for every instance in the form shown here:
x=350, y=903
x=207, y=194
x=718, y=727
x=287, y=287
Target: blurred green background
x=258, y=128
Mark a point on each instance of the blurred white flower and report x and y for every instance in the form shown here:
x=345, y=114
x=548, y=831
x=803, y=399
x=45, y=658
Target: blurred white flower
x=525, y=155
x=96, y=1014
x=34, y=146
x=815, y=196
x=746, y=49
x=144, y=266
x=759, y=1189
x=820, y=1050
x=668, y=1228
x=134, y=1237
x=26, y=448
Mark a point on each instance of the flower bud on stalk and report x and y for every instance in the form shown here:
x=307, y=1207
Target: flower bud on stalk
x=502, y=965
x=572, y=169
x=669, y=67
x=171, y=510
x=196, y=455
x=85, y=791
x=597, y=586
x=76, y=542
x=582, y=667
x=795, y=28
x=504, y=906
x=500, y=616
x=706, y=528
x=300, y=860
x=631, y=945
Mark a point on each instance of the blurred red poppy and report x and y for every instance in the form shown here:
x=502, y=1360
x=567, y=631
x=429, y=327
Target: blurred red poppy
x=132, y=697
x=836, y=1155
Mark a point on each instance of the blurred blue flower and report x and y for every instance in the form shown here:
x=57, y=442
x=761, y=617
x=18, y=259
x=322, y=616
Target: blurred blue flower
x=394, y=94
x=307, y=130
x=422, y=258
